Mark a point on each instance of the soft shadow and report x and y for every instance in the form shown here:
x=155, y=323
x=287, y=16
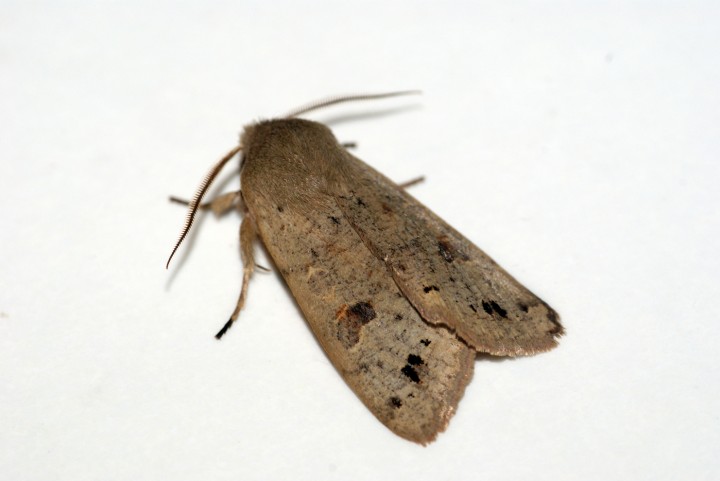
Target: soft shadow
x=183, y=252
x=281, y=280
x=483, y=356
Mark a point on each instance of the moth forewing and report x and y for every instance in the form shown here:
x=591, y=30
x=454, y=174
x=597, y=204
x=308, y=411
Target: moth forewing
x=448, y=279
x=399, y=300
x=410, y=374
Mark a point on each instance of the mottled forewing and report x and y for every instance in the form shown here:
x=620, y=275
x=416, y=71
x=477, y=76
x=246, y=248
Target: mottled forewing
x=446, y=277
x=410, y=374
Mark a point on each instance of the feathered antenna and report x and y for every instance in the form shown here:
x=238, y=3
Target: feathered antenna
x=195, y=202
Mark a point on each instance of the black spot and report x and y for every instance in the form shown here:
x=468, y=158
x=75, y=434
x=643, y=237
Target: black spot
x=313, y=253
x=523, y=307
x=425, y=342
x=360, y=202
x=364, y=368
x=398, y=317
x=411, y=373
x=430, y=288
x=452, y=279
x=334, y=220
x=415, y=360
x=487, y=307
x=496, y=307
x=445, y=250
x=396, y=402
x=473, y=308
x=363, y=312
x=280, y=209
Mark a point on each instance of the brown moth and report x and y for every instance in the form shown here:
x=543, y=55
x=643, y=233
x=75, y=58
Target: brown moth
x=400, y=301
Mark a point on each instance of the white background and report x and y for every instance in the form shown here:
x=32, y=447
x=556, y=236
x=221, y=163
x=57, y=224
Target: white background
x=576, y=142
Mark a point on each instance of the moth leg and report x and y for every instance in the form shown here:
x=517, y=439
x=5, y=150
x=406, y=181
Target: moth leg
x=412, y=182
x=218, y=205
x=248, y=233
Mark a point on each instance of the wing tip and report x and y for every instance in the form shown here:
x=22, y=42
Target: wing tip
x=428, y=432
x=529, y=343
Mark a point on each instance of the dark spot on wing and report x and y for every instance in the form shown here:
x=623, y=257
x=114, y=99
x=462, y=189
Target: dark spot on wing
x=496, y=307
x=360, y=202
x=411, y=373
x=473, y=308
x=493, y=306
x=415, y=360
x=395, y=402
x=386, y=208
x=523, y=307
x=398, y=317
x=430, y=288
x=280, y=208
x=313, y=252
x=363, y=311
x=487, y=307
x=351, y=320
x=334, y=220
x=425, y=342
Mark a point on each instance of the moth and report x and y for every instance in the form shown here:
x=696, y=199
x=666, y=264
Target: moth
x=399, y=300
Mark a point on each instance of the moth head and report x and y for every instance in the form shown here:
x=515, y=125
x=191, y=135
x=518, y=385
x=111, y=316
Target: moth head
x=247, y=139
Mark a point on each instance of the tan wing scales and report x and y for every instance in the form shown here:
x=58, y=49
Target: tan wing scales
x=446, y=277
x=410, y=374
